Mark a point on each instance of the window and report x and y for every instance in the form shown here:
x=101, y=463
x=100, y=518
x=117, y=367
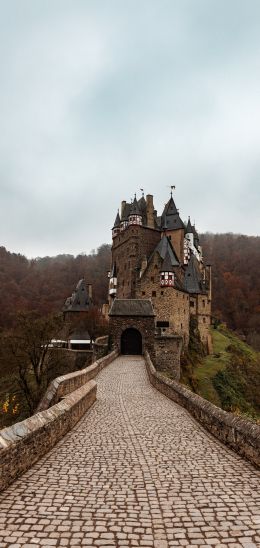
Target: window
x=162, y=292
x=192, y=304
x=143, y=292
x=204, y=320
x=162, y=323
x=152, y=279
x=203, y=302
x=153, y=293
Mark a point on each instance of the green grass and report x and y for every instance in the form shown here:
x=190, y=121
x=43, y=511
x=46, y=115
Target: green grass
x=206, y=371
x=210, y=366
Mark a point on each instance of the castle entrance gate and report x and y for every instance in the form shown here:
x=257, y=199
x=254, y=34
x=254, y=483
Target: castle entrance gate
x=131, y=342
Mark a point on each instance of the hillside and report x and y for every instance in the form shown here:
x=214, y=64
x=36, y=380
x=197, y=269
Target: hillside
x=43, y=284
x=230, y=377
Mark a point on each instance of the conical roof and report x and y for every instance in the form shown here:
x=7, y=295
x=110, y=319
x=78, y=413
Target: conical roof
x=189, y=228
x=135, y=210
x=80, y=300
x=171, y=216
x=193, y=279
x=117, y=221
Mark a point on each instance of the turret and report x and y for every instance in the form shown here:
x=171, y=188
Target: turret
x=166, y=273
x=135, y=215
x=116, y=227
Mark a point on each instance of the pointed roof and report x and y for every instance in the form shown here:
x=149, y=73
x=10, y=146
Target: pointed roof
x=142, y=204
x=193, y=280
x=80, y=300
x=171, y=216
x=117, y=221
x=167, y=263
x=164, y=247
x=113, y=271
x=189, y=228
x=135, y=210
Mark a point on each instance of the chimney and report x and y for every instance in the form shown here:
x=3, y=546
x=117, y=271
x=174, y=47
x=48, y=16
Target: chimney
x=150, y=211
x=123, y=204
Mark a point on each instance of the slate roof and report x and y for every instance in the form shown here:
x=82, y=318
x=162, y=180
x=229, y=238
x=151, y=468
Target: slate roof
x=189, y=228
x=131, y=307
x=113, y=271
x=167, y=263
x=80, y=300
x=134, y=210
x=126, y=212
x=193, y=282
x=163, y=247
x=80, y=335
x=117, y=221
x=171, y=216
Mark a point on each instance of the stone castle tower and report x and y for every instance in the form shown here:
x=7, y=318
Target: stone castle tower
x=159, y=259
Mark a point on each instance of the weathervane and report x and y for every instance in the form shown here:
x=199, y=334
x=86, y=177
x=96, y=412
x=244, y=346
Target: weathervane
x=171, y=187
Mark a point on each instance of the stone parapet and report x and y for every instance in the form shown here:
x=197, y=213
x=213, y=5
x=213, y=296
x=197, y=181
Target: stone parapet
x=22, y=444
x=61, y=386
x=241, y=435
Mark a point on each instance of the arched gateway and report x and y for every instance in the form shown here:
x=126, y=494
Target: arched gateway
x=131, y=341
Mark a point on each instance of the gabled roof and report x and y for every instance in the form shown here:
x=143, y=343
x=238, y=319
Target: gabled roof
x=163, y=247
x=171, y=217
x=80, y=300
x=167, y=263
x=117, y=221
x=193, y=280
x=132, y=307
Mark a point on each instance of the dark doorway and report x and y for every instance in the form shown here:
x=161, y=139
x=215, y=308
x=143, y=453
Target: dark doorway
x=131, y=341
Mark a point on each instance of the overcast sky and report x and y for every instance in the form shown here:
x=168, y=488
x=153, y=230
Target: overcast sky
x=99, y=98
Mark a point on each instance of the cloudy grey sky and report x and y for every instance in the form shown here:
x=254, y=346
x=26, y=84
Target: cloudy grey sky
x=101, y=97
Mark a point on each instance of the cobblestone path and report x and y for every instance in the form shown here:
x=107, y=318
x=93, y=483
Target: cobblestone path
x=136, y=471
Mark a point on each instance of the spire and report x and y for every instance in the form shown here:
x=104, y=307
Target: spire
x=135, y=210
x=117, y=220
x=189, y=229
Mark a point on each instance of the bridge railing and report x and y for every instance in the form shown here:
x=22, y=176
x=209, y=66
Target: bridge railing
x=22, y=444
x=241, y=435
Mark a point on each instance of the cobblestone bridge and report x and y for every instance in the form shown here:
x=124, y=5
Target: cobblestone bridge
x=136, y=471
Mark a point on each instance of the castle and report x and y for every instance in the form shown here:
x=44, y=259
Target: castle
x=158, y=281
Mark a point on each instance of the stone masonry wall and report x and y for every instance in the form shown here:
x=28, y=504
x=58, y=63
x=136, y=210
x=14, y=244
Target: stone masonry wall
x=128, y=249
x=169, y=303
x=61, y=386
x=145, y=325
x=22, y=444
x=168, y=352
x=243, y=436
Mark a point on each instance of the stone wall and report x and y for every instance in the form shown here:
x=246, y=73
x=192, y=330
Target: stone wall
x=128, y=249
x=145, y=325
x=169, y=303
x=167, y=354
x=61, y=386
x=241, y=435
x=22, y=444
x=100, y=347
